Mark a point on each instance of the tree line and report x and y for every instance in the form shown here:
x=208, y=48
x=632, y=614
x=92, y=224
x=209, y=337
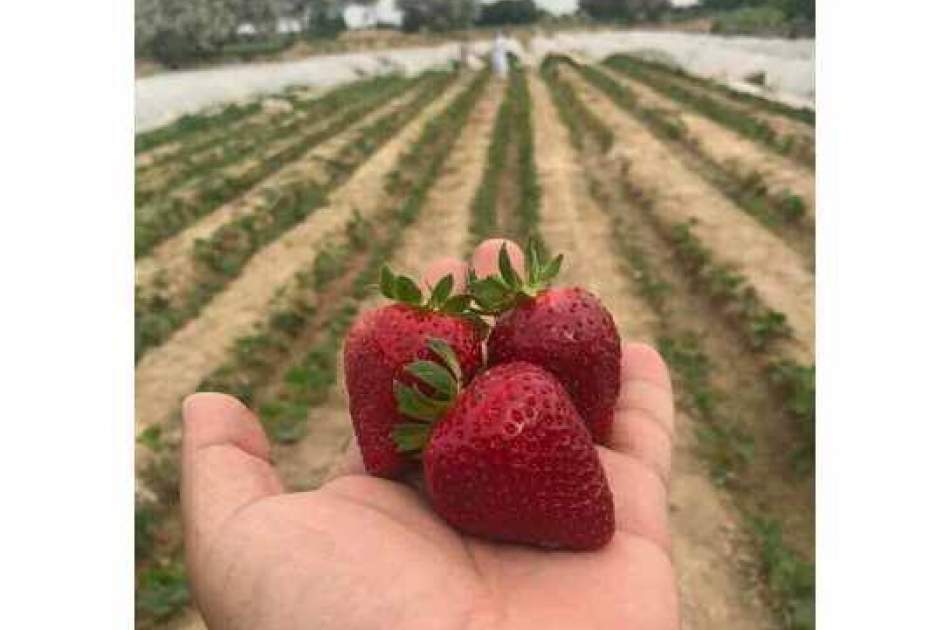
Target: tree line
x=176, y=32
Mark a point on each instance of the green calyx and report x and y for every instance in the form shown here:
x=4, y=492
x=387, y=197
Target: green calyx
x=404, y=290
x=420, y=409
x=496, y=294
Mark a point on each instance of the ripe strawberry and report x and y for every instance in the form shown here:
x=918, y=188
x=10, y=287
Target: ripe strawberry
x=382, y=342
x=567, y=331
x=510, y=459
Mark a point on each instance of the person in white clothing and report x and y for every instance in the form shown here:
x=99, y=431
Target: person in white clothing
x=499, y=56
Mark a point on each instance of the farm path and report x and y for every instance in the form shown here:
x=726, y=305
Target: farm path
x=725, y=146
x=713, y=591
x=168, y=373
x=778, y=274
x=441, y=229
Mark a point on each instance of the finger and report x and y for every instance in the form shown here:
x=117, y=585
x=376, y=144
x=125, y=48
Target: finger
x=643, y=417
x=443, y=267
x=225, y=465
x=485, y=257
x=640, y=498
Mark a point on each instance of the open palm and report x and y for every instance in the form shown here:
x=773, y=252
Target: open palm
x=363, y=552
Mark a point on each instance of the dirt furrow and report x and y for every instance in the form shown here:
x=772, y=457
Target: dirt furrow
x=778, y=274
x=171, y=371
x=729, y=148
x=440, y=230
x=173, y=257
x=714, y=592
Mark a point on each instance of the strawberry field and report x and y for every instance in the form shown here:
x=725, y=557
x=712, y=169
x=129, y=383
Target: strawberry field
x=687, y=208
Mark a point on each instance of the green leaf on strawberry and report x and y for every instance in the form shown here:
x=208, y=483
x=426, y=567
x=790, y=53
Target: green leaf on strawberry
x=423, y=410
x=496, y=294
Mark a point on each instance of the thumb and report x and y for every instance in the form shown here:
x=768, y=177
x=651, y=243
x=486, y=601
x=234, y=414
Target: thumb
x=224, y=466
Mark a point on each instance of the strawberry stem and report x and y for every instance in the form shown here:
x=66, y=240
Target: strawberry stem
x=496, y=294
x=424, y=410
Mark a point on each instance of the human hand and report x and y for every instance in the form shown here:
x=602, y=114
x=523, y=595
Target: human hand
x=365, y=552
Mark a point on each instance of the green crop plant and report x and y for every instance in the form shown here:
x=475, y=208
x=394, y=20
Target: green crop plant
x=725, y=445
x=483, y=210
x=162, y=591
x=512, y=137
x=789, y=578
x=765, y=325
x=573, y=112
x=792, y=207
x=146, y=521
x=227, y=250
x=193, y=123
x=529, y=200
x=796, y=384
x=759, y=324
x=358, y=231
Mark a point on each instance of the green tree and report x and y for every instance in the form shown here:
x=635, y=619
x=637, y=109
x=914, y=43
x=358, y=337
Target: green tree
x=325, y=18
x=509, y=12
x=626, y=10
x=437, y=15
x=178, y=31
x=796, y=9
x=261, y=14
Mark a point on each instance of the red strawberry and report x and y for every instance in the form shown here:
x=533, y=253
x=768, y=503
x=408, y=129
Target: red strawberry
x=510, y=459
x=567, y=331
x=382, y=342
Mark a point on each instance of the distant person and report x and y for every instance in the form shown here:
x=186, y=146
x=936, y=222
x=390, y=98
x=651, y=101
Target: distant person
x=499, y=56
x=465, y=55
